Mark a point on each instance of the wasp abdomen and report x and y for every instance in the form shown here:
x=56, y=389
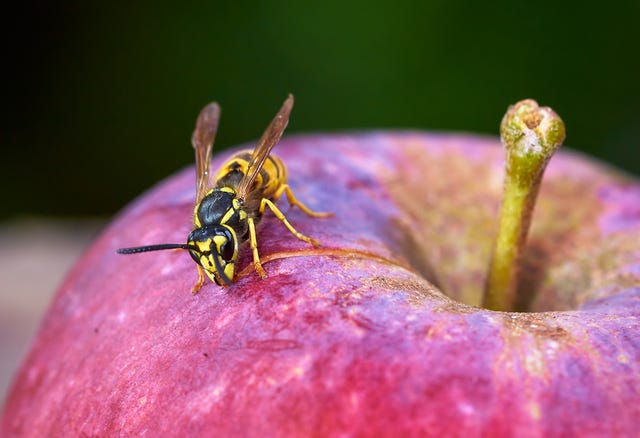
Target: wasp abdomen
x=271, y=176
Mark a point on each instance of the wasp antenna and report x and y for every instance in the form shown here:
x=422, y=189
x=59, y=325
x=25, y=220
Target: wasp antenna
x=147, y=248
x=216, y=262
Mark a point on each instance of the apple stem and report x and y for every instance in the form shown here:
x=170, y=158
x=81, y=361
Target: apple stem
x=530, y=135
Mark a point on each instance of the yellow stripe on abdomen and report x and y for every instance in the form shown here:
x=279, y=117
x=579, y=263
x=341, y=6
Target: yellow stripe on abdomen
x=272, y=175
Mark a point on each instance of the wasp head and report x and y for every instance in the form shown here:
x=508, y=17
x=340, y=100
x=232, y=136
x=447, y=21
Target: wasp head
x=215, y=248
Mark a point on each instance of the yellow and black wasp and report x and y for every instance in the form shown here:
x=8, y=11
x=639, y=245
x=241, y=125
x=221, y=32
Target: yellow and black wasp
x=227, y=212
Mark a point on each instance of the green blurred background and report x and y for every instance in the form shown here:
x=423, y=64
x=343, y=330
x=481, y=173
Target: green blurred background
x=102, y=96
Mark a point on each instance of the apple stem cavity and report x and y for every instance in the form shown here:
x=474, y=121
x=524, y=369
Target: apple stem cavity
x=530, y=134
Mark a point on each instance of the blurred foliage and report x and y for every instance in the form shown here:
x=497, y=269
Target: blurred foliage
x=102, y=96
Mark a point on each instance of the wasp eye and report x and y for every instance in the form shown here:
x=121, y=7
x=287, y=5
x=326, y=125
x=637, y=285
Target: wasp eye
x=226, y=250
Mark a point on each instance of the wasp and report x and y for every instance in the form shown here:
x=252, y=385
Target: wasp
x=228, y=209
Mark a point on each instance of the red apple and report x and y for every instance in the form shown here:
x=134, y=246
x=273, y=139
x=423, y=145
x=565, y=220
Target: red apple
x=374, y=333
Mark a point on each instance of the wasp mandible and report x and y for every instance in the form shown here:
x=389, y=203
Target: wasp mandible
x=227, y=211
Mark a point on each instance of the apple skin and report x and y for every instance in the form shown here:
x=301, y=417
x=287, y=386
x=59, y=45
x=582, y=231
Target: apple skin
x=354, y=338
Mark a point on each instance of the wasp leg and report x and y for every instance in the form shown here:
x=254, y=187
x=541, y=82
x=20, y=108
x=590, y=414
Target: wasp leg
x=266, y=203
x=196, y=287
x=254, y=249
x=294, y=201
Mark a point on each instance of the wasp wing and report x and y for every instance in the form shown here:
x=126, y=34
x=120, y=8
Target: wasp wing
x=269, y=139
x=202, y=141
